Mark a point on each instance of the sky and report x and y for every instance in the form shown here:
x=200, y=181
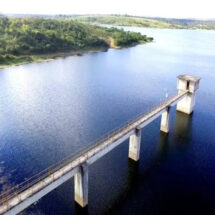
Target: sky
x=203, y=9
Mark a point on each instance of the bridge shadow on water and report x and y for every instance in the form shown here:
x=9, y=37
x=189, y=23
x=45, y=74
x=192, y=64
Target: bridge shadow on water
x=140, y=192
x=135, y=177
x=164, y=185
x=136, y=196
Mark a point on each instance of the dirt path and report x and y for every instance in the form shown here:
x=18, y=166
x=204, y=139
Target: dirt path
x=111, y=43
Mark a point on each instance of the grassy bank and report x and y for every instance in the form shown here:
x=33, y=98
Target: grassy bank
x=12, y=60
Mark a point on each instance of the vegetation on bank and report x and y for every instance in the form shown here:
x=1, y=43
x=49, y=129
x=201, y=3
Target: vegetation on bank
x=32, y=39
x=146, y=22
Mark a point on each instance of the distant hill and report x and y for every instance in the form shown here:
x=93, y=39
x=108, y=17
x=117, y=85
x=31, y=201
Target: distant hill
x=192, y=23
x=147, y=22
x=128, y=20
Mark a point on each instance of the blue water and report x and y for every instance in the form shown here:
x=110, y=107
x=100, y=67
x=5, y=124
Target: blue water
x=53, y=109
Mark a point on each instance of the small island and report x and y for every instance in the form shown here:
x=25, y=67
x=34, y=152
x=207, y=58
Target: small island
x=25, y=40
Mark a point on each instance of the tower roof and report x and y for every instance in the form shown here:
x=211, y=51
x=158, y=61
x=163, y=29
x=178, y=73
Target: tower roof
x=189, y=78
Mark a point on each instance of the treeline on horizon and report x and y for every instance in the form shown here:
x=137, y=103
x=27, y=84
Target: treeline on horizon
x=35, y=36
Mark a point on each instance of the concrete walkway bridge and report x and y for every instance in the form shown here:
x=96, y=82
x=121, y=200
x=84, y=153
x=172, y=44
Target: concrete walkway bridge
x=23, y=195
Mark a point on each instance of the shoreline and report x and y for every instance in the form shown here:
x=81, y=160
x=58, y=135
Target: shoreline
x=52, y=56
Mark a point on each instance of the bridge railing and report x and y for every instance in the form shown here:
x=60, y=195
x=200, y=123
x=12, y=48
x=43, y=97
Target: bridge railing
x=16, y=190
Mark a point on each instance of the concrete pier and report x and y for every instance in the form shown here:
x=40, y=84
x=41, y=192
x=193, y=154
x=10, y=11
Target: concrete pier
x=165, y=120
x=134, y=145
x=81, y=186
x=190, y=83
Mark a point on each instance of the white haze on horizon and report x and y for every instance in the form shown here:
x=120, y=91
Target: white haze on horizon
x=197, y=9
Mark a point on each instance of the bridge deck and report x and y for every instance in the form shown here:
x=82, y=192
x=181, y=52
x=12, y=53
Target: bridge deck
x=69, y=166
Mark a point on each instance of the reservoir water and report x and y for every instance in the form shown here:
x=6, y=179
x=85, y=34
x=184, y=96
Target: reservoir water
x=50, y=110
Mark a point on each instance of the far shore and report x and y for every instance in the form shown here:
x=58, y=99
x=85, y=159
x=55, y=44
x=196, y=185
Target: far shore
x=26, y=59
x=51, y=56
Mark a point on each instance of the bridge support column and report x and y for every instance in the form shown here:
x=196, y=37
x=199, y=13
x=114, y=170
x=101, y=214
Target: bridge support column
x=190, y=83
x=134, y=145
x=165, y=120
x=81, y=186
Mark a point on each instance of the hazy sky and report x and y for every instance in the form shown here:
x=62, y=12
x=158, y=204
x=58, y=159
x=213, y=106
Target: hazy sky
x=163, y=8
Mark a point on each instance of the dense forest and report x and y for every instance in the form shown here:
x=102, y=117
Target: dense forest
x=27, y=39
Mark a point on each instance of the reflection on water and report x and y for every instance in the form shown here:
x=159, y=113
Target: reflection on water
x=130, y=182
x=183, y=125
x=182, y=129
x=132, y=173
x=162, y=148
x=79, y=210
x=159, y=155
x=134, y=178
